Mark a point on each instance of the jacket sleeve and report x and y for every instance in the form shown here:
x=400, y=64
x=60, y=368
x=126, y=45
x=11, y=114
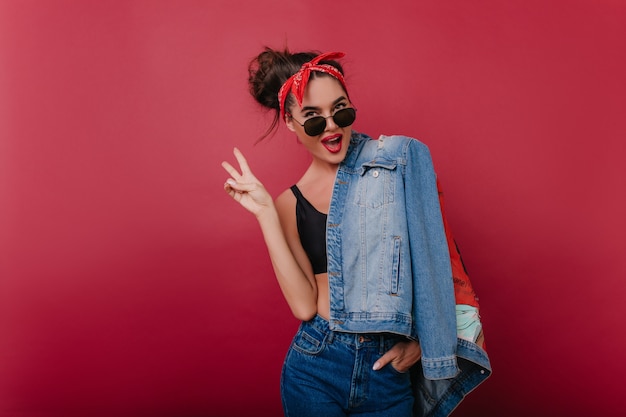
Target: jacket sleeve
x=433, y=291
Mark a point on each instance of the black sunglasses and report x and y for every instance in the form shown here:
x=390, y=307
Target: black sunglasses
x=316, y=125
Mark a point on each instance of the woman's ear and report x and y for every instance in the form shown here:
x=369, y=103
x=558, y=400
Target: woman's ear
x=289, y=122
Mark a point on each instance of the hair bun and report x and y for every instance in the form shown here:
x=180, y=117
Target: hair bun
x=267, y=73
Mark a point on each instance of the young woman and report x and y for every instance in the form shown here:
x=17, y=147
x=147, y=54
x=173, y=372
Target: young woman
x=360, y=251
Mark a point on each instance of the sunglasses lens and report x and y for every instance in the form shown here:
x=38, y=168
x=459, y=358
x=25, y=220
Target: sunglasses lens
x=314, y=126
x=344, y=117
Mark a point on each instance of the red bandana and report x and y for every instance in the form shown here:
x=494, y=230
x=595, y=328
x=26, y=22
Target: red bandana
x=296, y=84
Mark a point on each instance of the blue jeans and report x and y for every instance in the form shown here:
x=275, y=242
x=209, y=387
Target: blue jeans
x=330, y=374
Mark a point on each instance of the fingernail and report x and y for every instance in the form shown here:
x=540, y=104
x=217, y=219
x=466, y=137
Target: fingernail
x=231, y=181
x=376, y=366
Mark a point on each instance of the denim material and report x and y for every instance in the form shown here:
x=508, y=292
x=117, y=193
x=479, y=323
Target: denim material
x=388, y=260
x=330, y=374
x=438, y=398
x=389, y=266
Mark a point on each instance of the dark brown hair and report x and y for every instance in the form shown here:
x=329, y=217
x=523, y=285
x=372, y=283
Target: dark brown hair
x=268, y=72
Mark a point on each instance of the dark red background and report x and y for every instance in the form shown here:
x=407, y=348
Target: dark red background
x=131, y=285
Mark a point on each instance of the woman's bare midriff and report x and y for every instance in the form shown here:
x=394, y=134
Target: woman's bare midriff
x=323, y=302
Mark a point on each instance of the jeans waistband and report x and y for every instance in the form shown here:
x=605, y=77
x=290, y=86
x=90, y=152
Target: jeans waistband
x=384, y=341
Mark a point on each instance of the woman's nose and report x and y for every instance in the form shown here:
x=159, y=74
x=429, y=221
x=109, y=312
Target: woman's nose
x=330, y=123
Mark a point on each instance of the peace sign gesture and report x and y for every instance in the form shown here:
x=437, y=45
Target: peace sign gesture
x=245, y=188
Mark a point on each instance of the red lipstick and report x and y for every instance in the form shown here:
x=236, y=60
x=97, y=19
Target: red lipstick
x=332, y=143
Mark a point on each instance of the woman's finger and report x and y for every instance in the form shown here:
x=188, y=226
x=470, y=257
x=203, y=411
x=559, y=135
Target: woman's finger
x=240, y=187
x=387, y=357
x=243, y=163
x=231, y=170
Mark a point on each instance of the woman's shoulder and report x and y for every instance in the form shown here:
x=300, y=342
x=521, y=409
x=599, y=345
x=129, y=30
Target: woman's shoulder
x=286, y=198
x=285, y=205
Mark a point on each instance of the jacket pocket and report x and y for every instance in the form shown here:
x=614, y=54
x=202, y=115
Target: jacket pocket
x=395, y=266
x=376, y=184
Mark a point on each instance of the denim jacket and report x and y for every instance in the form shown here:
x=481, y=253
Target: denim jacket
x=389, y=264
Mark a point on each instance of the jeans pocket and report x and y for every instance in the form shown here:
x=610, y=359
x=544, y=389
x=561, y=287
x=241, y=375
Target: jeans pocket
x=309, y=341
x=396, y=371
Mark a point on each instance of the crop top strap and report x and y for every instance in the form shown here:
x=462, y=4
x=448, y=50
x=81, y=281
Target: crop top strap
x=296, y=191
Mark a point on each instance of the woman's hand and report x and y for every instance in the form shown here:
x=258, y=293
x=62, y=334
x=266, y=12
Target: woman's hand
x=245, y=188
x=402, y=356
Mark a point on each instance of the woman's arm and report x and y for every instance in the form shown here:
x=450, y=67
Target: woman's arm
x=299, y=289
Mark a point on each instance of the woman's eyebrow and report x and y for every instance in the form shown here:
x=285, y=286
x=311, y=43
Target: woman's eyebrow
x=339, y=100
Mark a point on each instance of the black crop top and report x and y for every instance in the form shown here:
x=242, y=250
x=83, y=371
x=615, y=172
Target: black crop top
x=312, y=230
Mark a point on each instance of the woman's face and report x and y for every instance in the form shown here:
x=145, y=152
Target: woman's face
x=323, y=97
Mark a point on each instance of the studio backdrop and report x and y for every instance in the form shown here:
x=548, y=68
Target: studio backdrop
x=132, y=285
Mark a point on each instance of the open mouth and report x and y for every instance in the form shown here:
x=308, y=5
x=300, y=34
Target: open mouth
x=332, y=143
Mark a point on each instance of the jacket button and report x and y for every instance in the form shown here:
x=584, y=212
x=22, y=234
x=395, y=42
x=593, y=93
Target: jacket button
x=375, y=174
